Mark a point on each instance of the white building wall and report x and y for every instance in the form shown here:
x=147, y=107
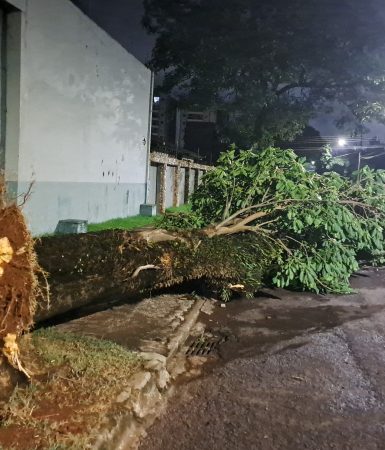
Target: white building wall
x=84, y=119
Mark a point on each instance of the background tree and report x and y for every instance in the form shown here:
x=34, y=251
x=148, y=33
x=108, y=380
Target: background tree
x=272, y=64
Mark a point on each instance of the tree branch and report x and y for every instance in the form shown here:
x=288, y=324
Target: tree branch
x=231, y=226
x=147, y=267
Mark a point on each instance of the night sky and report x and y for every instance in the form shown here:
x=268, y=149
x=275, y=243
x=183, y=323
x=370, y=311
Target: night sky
x=121, y=19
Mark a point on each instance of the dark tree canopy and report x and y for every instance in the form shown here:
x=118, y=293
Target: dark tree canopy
x=272, y=63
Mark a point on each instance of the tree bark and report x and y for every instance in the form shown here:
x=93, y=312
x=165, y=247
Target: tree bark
x=119, y=265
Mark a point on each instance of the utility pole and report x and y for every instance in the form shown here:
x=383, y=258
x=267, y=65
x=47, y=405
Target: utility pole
x=359, y=154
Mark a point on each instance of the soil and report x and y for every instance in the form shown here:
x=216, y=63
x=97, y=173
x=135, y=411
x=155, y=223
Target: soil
x=18, y=282
x=73, y=389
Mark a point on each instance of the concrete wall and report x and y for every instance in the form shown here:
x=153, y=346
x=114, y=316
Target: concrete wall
x=192, y=180
x=84, y=119
x=172, y=180
x=152, y=185
x=182, y=186
x=170, y=175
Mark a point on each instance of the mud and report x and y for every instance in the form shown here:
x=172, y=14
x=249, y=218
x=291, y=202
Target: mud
x=301, y=372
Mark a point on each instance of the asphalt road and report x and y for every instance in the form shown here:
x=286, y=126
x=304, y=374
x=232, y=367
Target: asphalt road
x=301, y=372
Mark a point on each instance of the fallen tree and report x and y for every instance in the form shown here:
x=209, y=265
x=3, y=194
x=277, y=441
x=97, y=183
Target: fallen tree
x=257, y=218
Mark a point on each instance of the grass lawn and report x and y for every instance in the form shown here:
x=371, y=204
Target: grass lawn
x=74, y=386
x=130, y=223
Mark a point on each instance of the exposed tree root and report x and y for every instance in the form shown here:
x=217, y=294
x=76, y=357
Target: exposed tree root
x=19, y=285
x=18, y=282
x=12, y=353
x=147, y=267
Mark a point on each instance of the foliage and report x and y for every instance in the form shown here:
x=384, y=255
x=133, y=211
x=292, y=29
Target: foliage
x=322, y=223
x=327, y=162
x=239, y=259
x=272, y=64
x=246, y=178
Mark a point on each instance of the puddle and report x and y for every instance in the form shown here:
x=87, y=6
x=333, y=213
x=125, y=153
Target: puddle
x=257, y=325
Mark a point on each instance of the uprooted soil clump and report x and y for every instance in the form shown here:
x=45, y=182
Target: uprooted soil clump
x=19, y=289
x=63, y=385
x=18, y=281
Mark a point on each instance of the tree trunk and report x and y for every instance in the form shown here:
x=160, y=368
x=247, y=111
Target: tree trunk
x=118, y=265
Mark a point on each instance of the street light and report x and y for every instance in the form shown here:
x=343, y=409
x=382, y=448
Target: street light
x=341, y=142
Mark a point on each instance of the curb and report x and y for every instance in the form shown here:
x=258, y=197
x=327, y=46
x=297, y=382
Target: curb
x=176, y=342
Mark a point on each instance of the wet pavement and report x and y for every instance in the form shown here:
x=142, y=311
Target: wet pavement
x=147, y=326
x=298, y=371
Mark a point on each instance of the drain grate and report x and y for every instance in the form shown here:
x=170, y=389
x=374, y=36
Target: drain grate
x=204, y=345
